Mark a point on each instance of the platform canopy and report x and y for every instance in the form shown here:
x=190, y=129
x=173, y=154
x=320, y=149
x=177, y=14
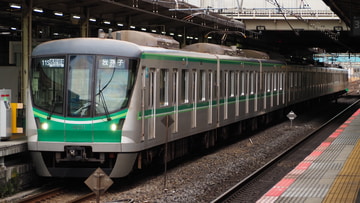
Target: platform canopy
x=170, y=16
x=348, y=11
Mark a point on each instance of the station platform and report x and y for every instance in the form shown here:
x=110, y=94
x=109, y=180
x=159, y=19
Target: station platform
x=17, y=144
x=331, y=173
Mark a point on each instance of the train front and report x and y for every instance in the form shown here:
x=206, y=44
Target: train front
x=79, y=95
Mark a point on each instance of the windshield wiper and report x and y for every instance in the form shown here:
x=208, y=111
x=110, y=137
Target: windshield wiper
x=53, y=105
x=102, y=98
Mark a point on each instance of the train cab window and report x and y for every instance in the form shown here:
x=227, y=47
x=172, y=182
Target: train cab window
x=202, y=92
x=114, y=79
x=79, y=90
x=185, y=86
x=164, y=87
x=47, y=83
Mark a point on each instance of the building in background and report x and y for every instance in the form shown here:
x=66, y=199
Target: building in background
x=305, y=4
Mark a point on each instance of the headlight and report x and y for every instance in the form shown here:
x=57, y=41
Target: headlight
x=113, y=127
x=44, y=126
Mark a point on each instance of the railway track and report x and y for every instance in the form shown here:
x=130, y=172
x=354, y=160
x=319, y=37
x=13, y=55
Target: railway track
x=247, y=190
x=57, y=195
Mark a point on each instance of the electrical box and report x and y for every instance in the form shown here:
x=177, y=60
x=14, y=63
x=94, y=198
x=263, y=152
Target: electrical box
x=5, y=114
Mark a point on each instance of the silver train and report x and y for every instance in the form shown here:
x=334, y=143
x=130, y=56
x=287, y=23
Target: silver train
x=114, y=103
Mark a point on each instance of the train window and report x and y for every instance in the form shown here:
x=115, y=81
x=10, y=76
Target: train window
x=151, y=87
x=237, y=85
x=243, y=83
x=202, y=92
x=226, y=81
x=175, y=90
x=252, y=80
x=223, y=84
x=185, y=86
x=47, y=83
x=164, y=87
x=79, y=91
x=237, y=93
x=195, y=86
x=268, y=82
x=227, y=91
x=275, y=81
x=232, y=84
x=217, y=82
x=291, y=80
x=211, y=85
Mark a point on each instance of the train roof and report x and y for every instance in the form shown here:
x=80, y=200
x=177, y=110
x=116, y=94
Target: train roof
x=88, y=46
x=146, y=39
x=123, y=48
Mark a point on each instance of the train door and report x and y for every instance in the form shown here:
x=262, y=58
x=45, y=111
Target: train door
x=152, y=103
x=275, y=89
x=210, y=96
x=144, y=98
x=237, y=94
x=290, y=90
x=247, y=93
x=217, y=90
x=256, y=101
x=281, y=88
x=226, y=95
x=251, y=98
x=194, y=98
x=175, y=99
x=243, y=93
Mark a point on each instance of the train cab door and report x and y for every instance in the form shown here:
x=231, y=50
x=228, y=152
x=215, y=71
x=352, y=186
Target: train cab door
x=148, y=111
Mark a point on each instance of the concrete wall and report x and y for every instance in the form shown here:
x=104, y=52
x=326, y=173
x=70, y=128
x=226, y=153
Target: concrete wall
x=10, y=79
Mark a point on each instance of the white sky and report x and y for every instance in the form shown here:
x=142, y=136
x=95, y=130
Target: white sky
x=314, y=4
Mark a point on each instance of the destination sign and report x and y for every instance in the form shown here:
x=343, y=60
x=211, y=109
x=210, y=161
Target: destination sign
x=53, y=62
x=112, y=63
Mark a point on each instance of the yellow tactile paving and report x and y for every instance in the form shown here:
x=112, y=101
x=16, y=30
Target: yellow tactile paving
x=347, y=183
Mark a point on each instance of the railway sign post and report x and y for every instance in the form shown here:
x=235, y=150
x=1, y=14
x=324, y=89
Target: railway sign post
x=291, y=115
x=167, y=121
x=98, y=182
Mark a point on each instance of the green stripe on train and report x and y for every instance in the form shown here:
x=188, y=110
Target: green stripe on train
x=157, y=56
x=61, y=129
x=163, y=111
